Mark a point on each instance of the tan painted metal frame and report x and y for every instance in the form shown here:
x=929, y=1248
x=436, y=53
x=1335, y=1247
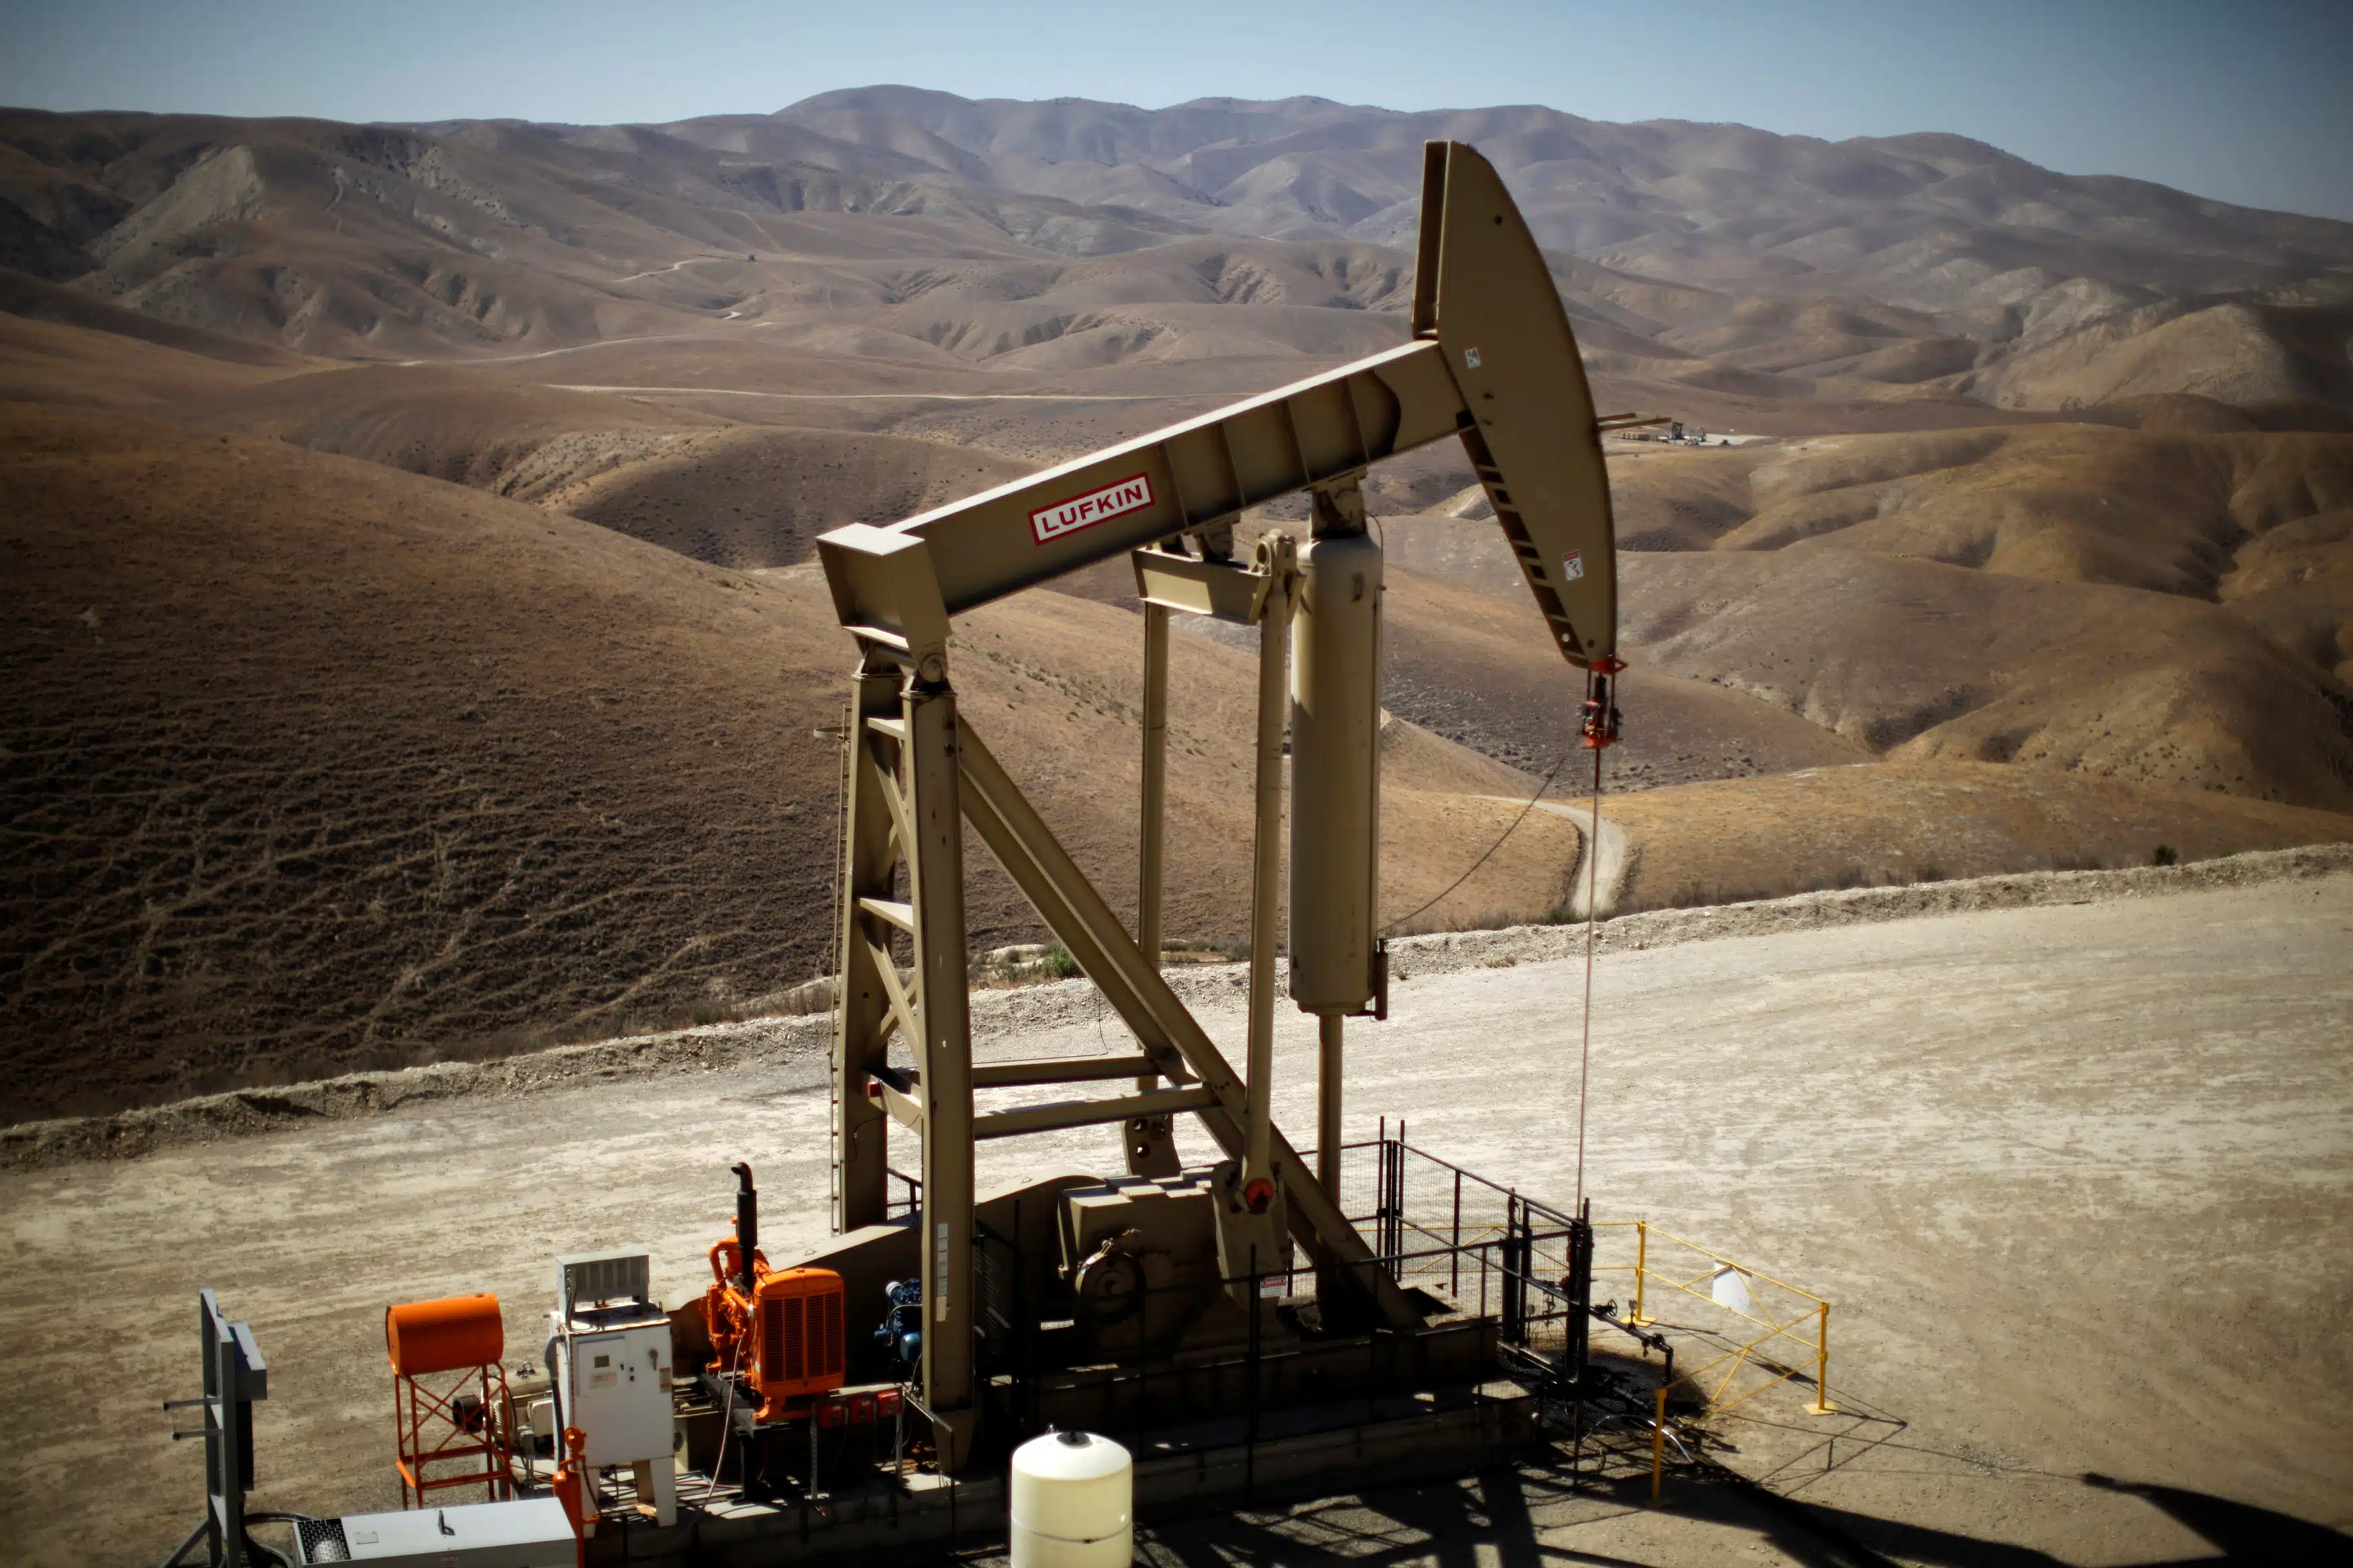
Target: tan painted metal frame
x=1494, y=362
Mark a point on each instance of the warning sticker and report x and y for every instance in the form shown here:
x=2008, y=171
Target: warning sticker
x=1131, y=494
x=1572, y=566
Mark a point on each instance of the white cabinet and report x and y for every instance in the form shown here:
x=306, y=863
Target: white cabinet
x=617, y=1390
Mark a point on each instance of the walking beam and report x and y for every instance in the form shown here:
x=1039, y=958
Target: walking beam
x=1493, y=361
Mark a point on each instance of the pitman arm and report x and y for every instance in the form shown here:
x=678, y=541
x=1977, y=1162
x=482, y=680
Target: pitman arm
x=1493, y=362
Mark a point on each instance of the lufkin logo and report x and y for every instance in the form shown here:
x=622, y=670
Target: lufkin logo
x=1131, y=494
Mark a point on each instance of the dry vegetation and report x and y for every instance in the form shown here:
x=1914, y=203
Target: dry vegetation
x=413, y=649
x=312, y=765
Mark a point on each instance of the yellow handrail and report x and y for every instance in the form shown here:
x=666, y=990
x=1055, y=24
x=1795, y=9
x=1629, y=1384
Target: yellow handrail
x=1741, y=1356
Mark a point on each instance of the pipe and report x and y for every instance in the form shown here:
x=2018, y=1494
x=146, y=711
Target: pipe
x=555, y=1397
x=747, y=1224
x=1328, y=1028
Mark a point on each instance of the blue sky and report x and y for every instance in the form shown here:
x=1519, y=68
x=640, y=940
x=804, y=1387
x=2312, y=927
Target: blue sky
x=2248, y=102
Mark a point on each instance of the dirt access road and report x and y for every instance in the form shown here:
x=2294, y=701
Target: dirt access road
x=2078, y=1179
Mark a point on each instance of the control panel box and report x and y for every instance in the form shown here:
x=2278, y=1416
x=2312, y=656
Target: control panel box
x=616, y=1377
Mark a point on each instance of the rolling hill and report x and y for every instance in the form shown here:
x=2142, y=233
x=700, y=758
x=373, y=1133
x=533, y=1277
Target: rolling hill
x=889, y=223
x=414, y=647
x=311, y=764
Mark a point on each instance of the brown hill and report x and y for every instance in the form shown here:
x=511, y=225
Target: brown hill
x=1893, y=823
x=1943, y=220
x=45, y=362
x=2165, y=609
x=761, y=497
x=1702, y=263
x=514, y=439
x=313, y=764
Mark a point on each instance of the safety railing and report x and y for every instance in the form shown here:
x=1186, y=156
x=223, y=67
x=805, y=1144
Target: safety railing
x=1486, y=1250
x=1762, y=1331
x=1427, y=1217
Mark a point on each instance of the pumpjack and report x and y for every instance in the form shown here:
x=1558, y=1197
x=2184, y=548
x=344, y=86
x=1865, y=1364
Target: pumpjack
x=1492, y=364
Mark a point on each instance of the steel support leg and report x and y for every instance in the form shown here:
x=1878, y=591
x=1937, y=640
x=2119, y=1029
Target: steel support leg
x=1266, y=880
x=1152, y=833
x=1152, y=1140
x=861, y=1007
x=929, y=767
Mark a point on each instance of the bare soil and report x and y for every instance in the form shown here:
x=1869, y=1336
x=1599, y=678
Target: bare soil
x=2075, y=1177
x=314, y=765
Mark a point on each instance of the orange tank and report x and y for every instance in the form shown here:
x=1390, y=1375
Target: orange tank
x=441, y=1336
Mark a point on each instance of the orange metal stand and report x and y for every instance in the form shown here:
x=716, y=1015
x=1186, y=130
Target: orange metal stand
x=460, y=1416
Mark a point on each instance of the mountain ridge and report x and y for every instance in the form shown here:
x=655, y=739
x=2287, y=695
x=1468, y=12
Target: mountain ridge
x=1979, y=278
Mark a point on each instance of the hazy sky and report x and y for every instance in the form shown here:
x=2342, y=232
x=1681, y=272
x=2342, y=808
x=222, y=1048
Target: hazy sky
x=2248, y=102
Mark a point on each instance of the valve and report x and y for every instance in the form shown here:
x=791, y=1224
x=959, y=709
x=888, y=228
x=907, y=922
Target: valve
x=1601, y=715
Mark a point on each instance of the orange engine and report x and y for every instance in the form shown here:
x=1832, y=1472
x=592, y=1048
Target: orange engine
x=781, y=1328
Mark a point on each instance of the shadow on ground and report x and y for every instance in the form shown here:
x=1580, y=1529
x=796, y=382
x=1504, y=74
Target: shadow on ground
x=1527, y=1517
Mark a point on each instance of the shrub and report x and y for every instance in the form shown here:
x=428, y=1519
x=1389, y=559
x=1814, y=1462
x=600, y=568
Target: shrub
x=2164, y=856
x=1060, y=963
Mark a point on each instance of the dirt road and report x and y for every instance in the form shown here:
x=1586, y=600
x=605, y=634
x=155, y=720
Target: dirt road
x=2078, y=1179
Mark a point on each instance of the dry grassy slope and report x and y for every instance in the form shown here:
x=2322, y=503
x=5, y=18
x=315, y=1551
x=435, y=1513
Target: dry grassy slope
x=2294, y=585
x=312, y=765
x=46, y=362
x=1478, y=667
x=2067, y=502
x=30, y=297
x=515, y=440
x=2238, y=352
x=1986, y=572
x=1940, y=218
x=761, y=497
x=371, y=240
x=1902, y=822
x=1944, y=661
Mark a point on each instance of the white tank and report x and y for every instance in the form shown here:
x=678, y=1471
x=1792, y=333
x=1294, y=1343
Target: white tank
x=1072, y=1502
